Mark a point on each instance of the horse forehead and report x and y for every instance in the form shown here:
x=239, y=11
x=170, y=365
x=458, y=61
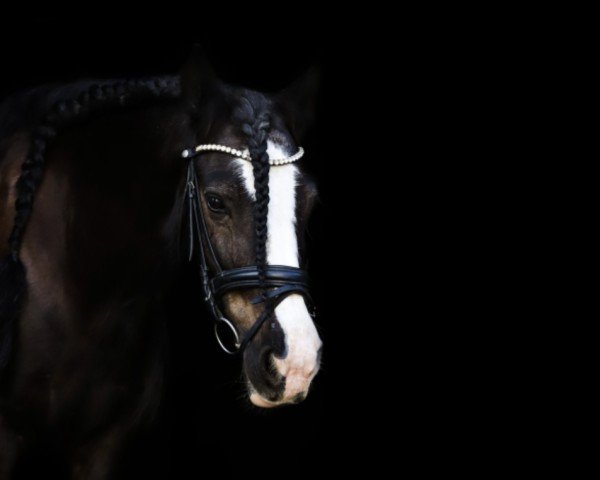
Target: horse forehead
x=282, y=178
x=219, y=169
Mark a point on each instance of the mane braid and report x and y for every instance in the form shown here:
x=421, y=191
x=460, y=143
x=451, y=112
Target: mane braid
x=65, y=113
x=97, y=99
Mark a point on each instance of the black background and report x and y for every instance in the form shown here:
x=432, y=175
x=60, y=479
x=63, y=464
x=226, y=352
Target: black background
x=383, y=371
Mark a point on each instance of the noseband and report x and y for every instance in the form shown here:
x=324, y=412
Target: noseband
x=281, y=280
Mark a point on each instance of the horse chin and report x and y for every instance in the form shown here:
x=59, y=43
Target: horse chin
x=262, y=402
x=258, y=400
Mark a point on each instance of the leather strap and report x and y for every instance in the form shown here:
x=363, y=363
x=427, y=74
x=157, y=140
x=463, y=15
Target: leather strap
x=248, y=277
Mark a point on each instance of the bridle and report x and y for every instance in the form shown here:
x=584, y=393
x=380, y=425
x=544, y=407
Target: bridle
x=281, y=280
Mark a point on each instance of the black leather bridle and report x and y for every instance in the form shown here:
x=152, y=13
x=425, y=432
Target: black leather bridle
x=280, y=279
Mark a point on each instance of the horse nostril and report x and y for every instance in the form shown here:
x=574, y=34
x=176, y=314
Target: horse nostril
x=268, y=366
x=299, y=397
x=319, y=355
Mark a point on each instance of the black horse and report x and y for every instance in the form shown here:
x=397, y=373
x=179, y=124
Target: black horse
x=101, y=211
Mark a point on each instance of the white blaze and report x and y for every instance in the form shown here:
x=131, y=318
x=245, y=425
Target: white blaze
x=301, y=337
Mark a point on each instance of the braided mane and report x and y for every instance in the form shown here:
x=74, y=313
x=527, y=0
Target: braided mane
x=96, y=98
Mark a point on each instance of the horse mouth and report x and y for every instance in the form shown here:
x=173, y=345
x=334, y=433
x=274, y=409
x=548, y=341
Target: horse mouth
x=262, y=402
x=258, y=400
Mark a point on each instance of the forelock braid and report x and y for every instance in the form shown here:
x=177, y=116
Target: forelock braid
x=98, y=98
x=255, y=126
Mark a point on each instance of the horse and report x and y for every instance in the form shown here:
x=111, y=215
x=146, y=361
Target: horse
x=108, y=189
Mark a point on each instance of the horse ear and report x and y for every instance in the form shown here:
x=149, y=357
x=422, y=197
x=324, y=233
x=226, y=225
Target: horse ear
x=298, y=102
x=198, y=79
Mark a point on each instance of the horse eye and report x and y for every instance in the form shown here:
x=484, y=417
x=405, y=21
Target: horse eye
x=215, y=203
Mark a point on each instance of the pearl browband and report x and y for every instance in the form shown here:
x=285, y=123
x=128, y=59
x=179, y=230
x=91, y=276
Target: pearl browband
x=244, y=155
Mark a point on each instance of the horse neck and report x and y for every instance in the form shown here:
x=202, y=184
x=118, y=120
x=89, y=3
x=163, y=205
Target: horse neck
x=105, y=224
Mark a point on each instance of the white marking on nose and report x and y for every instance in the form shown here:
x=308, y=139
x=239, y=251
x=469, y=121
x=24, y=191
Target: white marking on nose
x=300, y=365
x=302, y=340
